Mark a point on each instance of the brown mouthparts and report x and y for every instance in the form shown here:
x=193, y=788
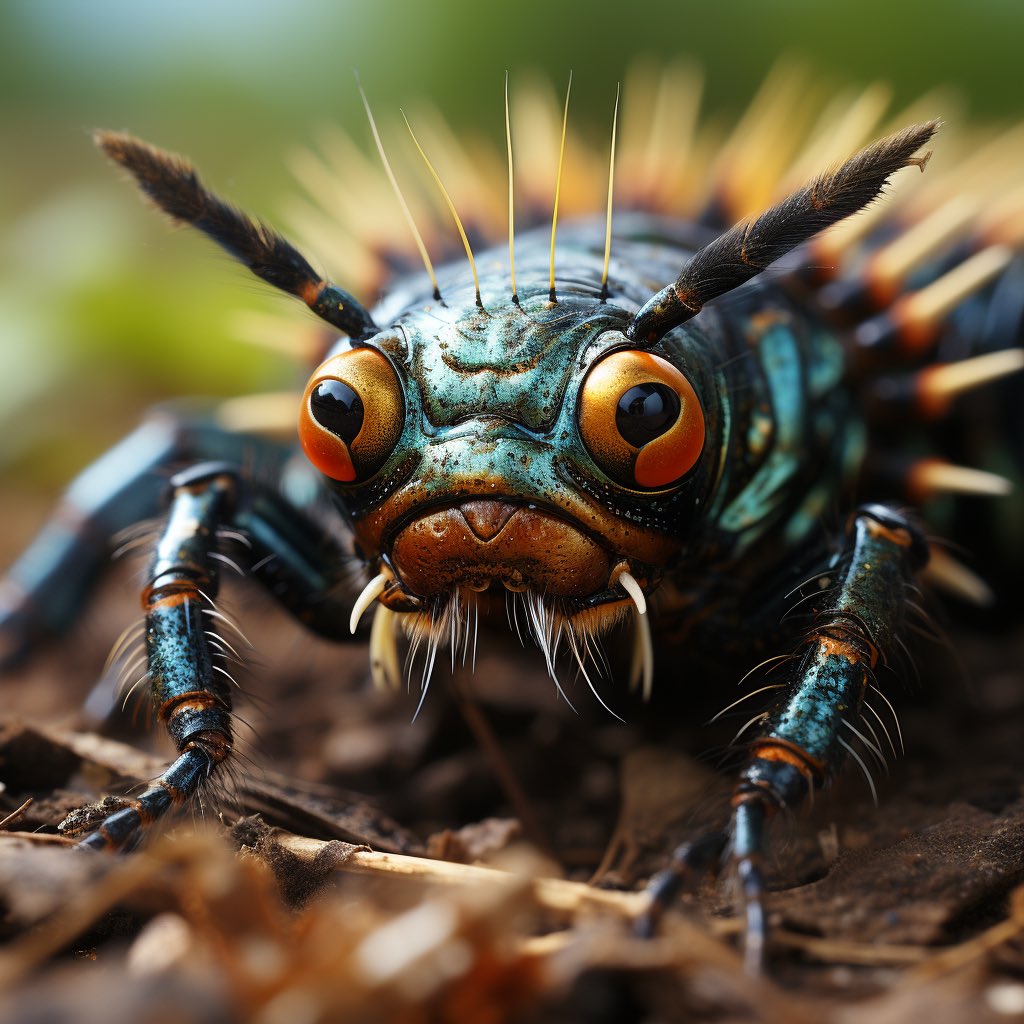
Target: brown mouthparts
x=482, y=541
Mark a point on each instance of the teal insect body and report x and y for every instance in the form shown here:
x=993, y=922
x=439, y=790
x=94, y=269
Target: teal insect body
x=493, y=411
x=586, y=443
x=492, y=404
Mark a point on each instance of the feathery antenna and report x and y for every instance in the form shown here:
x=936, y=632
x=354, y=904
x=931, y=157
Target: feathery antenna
x=511, y=200
x=424, y=255
x=611, y=183
x=558, y=190
x=173, y=185
x=452, y=210
x=749, y=247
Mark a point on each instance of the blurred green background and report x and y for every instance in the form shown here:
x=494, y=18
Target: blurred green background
x=103, y=310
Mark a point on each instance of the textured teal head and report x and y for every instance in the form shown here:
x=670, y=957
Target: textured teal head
x=511, y=470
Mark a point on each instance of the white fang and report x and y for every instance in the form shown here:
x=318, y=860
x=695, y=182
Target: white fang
x=642, y=670
x=370, y=593
x=631, y=587
x=384, y=650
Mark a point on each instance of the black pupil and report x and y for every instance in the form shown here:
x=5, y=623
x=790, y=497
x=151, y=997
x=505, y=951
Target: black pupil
x=337, y=408
x=645, y=412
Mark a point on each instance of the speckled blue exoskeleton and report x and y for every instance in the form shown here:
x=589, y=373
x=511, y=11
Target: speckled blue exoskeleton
x=576, y=433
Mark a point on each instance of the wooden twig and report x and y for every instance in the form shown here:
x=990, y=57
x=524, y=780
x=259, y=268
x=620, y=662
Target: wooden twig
x=550, y=893
x=507, y=778
x=981, y=945
x=863, y=954
x=15, y=814
x=39, y=837
x=569, y=898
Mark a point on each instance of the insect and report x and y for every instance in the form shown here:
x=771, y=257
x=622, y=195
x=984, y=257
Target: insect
x=611, y=426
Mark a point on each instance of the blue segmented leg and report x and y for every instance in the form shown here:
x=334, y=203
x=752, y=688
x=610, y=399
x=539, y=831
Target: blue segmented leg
x=45, y=590
x=191, y=699
x=803, y=742
x=303, y=568
x=191, y=696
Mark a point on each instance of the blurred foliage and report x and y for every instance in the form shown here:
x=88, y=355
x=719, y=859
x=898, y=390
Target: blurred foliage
x=103, y=311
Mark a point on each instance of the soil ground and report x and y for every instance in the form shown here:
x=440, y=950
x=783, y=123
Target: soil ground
x=904, y=911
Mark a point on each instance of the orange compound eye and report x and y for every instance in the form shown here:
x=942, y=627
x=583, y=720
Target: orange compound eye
x=640, y=419
x=352, y=415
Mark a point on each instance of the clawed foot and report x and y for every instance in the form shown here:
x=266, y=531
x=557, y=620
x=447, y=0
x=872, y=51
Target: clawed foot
x=697, y=859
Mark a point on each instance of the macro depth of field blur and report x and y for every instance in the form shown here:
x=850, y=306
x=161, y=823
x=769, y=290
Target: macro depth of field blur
x=105, y=310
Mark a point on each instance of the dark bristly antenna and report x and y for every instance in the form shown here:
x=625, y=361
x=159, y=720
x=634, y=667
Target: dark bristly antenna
x=749, y=247
x=558, y=189
x=611, y=183
x=451, y=209
x=172, y=183
x=511, y=200
x=424, y=255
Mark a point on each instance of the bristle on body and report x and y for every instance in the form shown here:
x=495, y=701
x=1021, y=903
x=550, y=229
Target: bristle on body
x=689, y=171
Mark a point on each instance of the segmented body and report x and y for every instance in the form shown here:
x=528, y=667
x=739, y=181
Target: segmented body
x=586, y=446
x=787, y=437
